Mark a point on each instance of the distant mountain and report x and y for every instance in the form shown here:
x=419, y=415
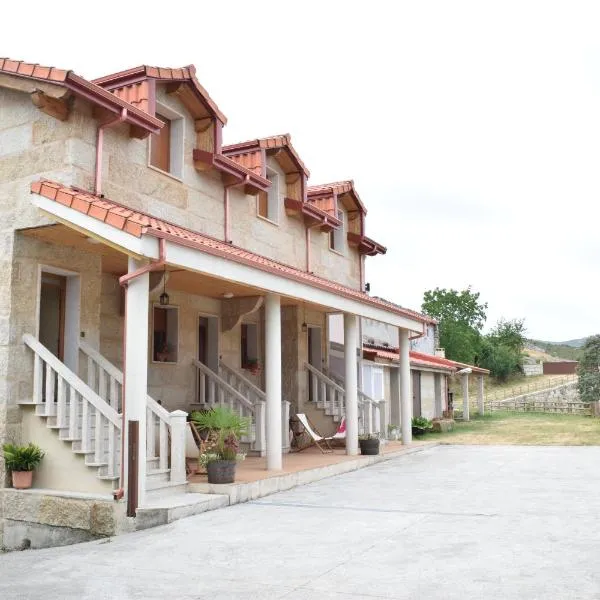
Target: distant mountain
x=573, y=343
x=570, y=350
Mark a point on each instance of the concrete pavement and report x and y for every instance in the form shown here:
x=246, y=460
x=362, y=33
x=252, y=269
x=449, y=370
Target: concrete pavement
x=451, y=522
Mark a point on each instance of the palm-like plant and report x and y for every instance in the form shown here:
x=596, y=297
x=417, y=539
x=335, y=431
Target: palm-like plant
x=22, y=458
x=229, y=426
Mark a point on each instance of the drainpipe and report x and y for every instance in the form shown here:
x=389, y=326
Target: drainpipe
x=99, y=148
x=124, y=281
x=226, y=217
x=419, y=335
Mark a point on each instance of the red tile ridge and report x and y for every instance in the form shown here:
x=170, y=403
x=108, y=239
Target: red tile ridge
x=33, y=70
x=138, y=223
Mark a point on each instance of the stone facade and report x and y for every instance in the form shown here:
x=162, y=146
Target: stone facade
x=34, y=145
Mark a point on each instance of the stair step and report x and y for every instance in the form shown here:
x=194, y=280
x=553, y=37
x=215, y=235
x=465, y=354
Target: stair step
x=96, y=464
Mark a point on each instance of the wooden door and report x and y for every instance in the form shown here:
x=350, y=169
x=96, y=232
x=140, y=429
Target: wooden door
x=52, y=313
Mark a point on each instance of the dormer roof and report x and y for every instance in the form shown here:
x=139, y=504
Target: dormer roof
x=132, y=85
x=324, y=196
x=252, y=153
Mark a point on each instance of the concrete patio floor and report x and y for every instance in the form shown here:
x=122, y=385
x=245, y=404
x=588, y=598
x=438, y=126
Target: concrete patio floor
x=449, y=522
x=254, y=468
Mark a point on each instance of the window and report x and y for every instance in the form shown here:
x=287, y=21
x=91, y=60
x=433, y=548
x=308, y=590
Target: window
x=165, y=336
x=166, y=147
x=249, y=345
x=268, y=202
x=373, y=381
x=336, y=237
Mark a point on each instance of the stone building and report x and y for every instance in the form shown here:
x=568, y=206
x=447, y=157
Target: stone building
x=150, y=270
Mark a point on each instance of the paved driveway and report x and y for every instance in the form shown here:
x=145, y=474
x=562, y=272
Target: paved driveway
x=450, y=522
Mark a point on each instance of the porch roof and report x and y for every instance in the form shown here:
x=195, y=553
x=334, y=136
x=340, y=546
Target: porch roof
x=419, y=359
x=137, y=234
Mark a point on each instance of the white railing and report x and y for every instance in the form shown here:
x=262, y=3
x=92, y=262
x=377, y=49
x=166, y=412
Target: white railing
x=325, y=393
x=102, y=376
x=107, y=381
x=213, y=390
x=371, y=415
x=241, y=383
x=77, y=408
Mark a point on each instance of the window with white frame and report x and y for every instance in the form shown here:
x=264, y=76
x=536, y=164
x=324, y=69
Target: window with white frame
x=268, y=202
x=166, y=147
x=373, y=381
x=336, y=236
x=165, y=334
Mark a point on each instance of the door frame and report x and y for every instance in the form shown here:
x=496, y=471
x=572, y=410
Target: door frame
x=72, y=312
x=208, y=315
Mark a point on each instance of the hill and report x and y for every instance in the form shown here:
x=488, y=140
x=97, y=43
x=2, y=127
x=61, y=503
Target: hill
x=569, y=350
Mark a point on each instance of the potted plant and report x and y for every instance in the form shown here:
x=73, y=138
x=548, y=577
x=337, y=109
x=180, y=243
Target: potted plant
x=21, y=461
x=369, y=444
x=254, y=366
x=421, y=425
x=227, y=426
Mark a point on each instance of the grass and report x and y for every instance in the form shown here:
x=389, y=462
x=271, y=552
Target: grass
x=533, y=429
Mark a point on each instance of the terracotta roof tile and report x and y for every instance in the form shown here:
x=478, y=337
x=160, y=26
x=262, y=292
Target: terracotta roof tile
x=337, y=187
x=33, y=70
x=138, y=223
x=79, y=85
x=267, y=143
x=185, y=74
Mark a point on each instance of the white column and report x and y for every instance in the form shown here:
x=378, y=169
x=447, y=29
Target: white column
x=178, y=424
x=136, y=367
x=273, y=380
x=480, y=390
x=351, y=381
x=437, y=390
x=465, y=392
x=395, y=404
x=405, y=397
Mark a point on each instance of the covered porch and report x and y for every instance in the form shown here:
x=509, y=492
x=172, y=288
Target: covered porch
x=162, y=269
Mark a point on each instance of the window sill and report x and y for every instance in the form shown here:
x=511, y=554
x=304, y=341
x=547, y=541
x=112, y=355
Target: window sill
x=336, y=252
x=169, y=175
x=163, y=362
x=275, y=223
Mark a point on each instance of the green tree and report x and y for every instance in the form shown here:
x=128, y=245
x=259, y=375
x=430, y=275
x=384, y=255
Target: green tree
x=510, y=334
x=589, y=371
x=461, y=316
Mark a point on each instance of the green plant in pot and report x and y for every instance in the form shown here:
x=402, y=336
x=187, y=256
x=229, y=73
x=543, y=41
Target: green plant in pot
x=21, y=461
x=421, y=425
x=228, y=427
x=369, y=444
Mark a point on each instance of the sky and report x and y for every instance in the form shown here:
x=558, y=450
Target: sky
x=471, y=129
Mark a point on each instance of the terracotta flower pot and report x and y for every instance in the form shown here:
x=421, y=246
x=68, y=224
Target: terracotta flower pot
x=22, y=480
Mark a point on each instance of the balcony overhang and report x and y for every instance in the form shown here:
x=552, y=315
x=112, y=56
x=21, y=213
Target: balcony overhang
x=313, y=216
x=365, y=245
x=138, y=234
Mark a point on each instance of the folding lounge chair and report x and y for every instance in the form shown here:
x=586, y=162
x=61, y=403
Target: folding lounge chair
x=318, y=440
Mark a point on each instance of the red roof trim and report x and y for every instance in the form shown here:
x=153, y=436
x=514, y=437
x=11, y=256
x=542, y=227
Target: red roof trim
x=337, y=188
x=137, y=223
x=81, y=87
x=226, y=165
x=365, y=245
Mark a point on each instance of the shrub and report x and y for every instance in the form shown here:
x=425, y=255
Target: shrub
x=22, y=458
x=421, y=425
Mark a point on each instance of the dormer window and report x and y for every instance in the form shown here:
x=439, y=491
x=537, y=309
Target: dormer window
x=166, y=147
x=268, y=202
x=337, y=236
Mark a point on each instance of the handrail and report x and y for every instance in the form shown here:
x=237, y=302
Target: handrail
x=114, y=372
x=105, y=364
x=73, y=380
x=262, y=395
x=210, y=373
x=324, y=378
